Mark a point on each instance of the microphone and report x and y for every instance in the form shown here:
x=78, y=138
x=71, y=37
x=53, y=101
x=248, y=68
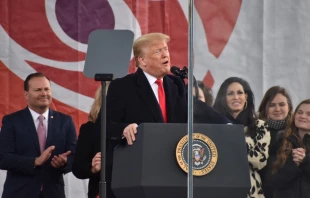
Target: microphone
x=182, y=73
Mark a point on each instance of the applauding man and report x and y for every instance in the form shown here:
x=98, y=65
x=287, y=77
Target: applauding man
x=36, y=145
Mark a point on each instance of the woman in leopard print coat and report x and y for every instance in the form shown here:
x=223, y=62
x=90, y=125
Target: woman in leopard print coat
x=235, y=100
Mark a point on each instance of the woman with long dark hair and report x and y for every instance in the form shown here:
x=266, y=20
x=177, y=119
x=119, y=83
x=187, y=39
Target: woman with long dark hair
x=204, y=93
x=235, y=100
x=276, y=109
x=291, y=170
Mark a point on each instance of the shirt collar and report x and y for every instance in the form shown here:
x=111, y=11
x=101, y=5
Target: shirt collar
x=35, y=115
x=150, y=78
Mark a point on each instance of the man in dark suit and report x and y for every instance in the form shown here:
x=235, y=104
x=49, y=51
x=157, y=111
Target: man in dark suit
x=149, y=95
x=37, y=145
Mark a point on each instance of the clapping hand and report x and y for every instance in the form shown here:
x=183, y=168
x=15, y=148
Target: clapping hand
x=298, y=155
x=60, y=160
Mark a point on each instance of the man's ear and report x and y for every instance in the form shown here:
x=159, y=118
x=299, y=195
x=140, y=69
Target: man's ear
x=26, y=94
x=141, y=61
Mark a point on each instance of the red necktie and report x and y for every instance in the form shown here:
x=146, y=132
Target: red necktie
x=162, y=98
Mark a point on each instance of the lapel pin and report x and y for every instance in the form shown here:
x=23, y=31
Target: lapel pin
x=52, y=116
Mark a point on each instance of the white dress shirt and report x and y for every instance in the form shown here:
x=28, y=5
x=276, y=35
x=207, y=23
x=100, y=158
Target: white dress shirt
x=152, y=81
x=35, y=117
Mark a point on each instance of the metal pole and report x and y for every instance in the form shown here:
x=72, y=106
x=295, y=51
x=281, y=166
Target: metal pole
x=103, y=181
x=190, y=99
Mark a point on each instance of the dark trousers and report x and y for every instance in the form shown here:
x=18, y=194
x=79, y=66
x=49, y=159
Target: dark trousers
x=41, y=195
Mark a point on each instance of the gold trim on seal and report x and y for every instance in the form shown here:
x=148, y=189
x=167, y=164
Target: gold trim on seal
x=212, y=149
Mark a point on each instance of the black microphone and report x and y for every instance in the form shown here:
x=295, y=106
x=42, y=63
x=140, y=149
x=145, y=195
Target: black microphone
x=182, y=73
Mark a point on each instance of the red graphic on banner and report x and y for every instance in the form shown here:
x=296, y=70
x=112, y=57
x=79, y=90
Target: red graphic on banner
x=219, y=18
x=12, y=97
x=74, y=81
x=27, y=24
x=167, y=17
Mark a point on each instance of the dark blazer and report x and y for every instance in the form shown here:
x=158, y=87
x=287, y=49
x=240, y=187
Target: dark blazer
x=203, y=113
x=131, y=100
x=292, y=181
x=19, y=146
x=87, y=147
x=266, y=173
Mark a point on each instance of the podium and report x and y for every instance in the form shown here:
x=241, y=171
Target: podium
x=149, y=168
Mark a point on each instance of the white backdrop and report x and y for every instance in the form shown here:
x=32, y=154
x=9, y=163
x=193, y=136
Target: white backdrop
x=269, y=46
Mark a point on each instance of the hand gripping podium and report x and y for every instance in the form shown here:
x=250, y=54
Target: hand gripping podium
x=150, y=169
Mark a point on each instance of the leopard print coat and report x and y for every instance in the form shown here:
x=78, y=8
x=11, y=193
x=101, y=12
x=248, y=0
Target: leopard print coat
x=258, y=149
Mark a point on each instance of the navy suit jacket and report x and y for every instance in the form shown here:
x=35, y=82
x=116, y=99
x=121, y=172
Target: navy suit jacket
x=19, y=146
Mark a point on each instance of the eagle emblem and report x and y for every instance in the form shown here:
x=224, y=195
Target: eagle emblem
x=204, y=154
x=198, y=155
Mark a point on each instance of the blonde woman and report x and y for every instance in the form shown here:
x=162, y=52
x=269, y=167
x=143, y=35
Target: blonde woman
x=87, y=161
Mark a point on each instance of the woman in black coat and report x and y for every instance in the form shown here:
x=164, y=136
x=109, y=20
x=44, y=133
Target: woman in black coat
x=291, y=170
x=87, y=162
x=276, y=110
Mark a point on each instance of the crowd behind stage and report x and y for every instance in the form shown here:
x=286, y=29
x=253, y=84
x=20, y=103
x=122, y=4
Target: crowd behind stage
x=39, y=145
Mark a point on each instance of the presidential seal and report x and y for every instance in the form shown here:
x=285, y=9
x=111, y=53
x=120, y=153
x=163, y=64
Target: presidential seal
x=205, y=154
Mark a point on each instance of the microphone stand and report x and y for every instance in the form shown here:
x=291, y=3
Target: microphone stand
x=103, y=126
x=183, y=73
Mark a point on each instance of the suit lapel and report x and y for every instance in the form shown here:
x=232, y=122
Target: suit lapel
x=52, y=119
x=31, y=127
x=171, y=93
x=146, y=92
